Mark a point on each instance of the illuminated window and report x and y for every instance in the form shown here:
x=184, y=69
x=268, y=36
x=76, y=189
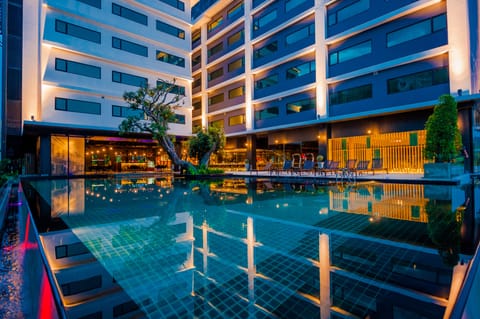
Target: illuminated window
x=215, y=24
x=237, y=64
x=170, y=58
x=236, y=92
x=236, y=37
x=216, y=99
x=300, y=106
x=236, y=120
x=215, y=74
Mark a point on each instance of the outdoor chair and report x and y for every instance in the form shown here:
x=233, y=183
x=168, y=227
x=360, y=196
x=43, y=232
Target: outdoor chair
x=361, y=167
x=330, y=167
x=287, y=166
x=267, y=168
x=377, y=165
x=308, y=166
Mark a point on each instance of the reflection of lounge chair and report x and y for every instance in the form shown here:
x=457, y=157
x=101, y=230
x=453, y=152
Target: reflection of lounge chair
x=330, y=167
x=287, y=167
x=377, y=165
x=267, y=168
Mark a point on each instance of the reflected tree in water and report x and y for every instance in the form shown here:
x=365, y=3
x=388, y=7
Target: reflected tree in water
x=444, y=229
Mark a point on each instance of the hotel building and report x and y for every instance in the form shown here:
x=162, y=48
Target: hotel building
x=285, y=79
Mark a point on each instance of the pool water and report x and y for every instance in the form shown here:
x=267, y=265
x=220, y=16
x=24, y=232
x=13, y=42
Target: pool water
x=149, y=247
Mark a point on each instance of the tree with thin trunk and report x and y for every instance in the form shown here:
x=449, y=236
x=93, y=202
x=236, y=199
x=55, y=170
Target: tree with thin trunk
x=153, y=109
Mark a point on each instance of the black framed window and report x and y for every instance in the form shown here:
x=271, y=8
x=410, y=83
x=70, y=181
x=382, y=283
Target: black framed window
x=215, y=49
x=350, y=53
x=266, y=50
x=93, y=3
x=349, y=11
x=180, y=5
x=236, y=120
x=417, y=30
x=129, y=79
x=77, y=106
x=170, y=29
x=266, y=82
x=237, y=64
x=216, y=99
x=260, y=22
x=236, y=11
x=215, y=24
x=267, y=113
x=170, y=58
x=300, y=34
x=128, y=46
x=300, y=70
x=125, y=111
x=129, y=14
x=78, y=68
x=215, y=74
x=418, y=80
x=236, y=92
x=77, y=31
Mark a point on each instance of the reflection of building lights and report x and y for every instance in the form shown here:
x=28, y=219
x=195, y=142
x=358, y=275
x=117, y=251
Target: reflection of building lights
x=277, y=206
x=98, y=195
x=104, y=198
x=249, y=200
x=185, y=193
x=161, y=195
x=111, y=200
x=323, y=211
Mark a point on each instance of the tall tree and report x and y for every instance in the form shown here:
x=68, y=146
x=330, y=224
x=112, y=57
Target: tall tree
x=154, y=108
x=205, y=143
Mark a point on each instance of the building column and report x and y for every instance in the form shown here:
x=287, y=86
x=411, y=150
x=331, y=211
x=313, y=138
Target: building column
x=249, y=111
x=459, y=47
x=204, y=75
x=321, y=57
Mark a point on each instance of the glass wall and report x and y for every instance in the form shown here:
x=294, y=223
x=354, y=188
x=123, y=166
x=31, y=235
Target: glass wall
x=67, y=155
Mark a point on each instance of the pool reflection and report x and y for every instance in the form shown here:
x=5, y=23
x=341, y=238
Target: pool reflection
x=160, y=248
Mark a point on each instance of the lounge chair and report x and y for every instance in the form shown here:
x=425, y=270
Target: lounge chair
x=361, y=167
x=267, y=168
x=330, y=167
x=348, y=171
x=308, y=166
x=287, y=167
x=377, y=165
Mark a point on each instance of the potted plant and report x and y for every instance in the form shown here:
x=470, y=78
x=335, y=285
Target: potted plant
x=320, y=162
x=443, y=140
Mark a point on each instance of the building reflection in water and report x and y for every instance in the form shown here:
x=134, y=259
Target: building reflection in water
x=157, y=248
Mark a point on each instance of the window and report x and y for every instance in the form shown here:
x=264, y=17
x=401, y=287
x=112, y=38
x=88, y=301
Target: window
x=350, y=95
x=236, y=120
x=215, y=74
x=175, y=3
x=174, y=89
x=197, y=81
x=300, y=106
x=348, y=11
x=234, y=38
x=77, y=31
x=233, y=93
x=70, y=250
x=129, y=14
x=83, y=285
x=267, y=113
x=78, y=68
x=179, y=119
x=93, y=3
x=298, y=35
x=266, y=82
x=216, y=99
x=77, y=106
x=292, y=4
x=196, y=60
x=196, y=37
x=266, y=50
x=418, y=80
x=170, y=29
x=215, y=49
x=350, y=53
x=125, y=111
x=217, y=123
x=259, y=22
x=197, y=106
x=300, y=70
x=129, y=79
x=129, y=306
x=237, y=10
x=417, y=30
x=212, y=26
x=128, y=46
x=237, y=64
x=170, y=58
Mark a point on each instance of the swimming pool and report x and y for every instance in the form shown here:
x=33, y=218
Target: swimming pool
x=252, y=248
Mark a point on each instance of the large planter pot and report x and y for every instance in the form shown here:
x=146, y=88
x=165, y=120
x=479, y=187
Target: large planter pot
x=442, y=170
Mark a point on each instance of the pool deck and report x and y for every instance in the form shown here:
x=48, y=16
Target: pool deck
x=465, y=307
